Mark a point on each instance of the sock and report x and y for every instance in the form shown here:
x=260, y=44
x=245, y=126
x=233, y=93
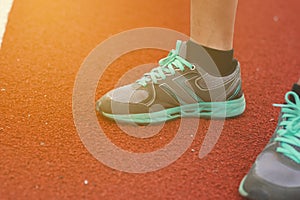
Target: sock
x=224, y=60
x=296, y=89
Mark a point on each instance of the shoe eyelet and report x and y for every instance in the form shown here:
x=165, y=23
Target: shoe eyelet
x=193, y=67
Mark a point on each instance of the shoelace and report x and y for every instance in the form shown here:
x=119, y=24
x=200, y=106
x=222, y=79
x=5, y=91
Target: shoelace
x=289, y=135
x=167, y=67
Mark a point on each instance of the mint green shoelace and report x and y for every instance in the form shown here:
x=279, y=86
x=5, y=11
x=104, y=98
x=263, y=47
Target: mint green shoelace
x=167, y=67
x=289, y=135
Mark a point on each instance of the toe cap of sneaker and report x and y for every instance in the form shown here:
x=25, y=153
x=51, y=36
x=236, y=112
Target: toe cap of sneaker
x=108, y=105
x=270, y=178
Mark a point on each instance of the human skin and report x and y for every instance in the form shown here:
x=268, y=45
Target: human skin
x=212, y=23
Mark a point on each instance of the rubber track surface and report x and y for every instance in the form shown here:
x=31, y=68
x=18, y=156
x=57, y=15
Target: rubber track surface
x=42, y=156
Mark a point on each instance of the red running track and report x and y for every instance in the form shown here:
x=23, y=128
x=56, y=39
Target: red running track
x=42, y=156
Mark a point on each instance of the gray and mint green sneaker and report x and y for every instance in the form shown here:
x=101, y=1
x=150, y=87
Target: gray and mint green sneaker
x=275, y=174
x=179, y=87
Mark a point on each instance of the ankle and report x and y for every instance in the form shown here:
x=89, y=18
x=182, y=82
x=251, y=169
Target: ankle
x=223, y=62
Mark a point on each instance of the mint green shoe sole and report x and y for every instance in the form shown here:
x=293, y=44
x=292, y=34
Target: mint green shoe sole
x=214, y=110
x=242, y=191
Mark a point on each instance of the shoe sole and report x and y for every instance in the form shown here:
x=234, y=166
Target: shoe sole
x=242, y=191
x=214, y=110
x=257, y=194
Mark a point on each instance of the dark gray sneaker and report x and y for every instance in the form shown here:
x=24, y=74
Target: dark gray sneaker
x=179, y=87
x=275, y=174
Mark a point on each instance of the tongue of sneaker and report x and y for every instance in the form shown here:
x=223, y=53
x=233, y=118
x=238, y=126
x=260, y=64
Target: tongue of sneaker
x=182, y=50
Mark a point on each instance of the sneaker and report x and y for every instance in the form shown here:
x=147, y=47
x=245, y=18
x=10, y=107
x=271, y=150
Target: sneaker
x=275, y=174
x=179, y=87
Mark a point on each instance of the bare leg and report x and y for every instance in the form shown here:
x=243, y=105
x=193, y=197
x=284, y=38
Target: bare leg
x=298, y=82
x=212, y=23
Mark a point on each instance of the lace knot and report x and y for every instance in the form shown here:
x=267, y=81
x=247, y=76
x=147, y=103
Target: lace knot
x=167, y=66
